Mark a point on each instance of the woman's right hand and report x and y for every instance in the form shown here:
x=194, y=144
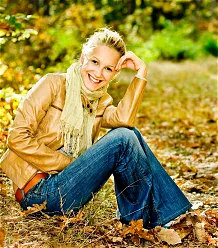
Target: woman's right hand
x=130, y=61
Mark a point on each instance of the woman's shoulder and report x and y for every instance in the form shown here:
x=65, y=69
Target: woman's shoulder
x=55, y=78
x=54, y=81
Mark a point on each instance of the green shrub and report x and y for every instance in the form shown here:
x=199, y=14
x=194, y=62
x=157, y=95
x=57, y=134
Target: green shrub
x=174, y=42
x=209, y=43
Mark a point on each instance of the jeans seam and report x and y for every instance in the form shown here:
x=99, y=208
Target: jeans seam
x=155, y=209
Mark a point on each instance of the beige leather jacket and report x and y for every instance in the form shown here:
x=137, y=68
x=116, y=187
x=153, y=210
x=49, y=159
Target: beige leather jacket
x=32, y=140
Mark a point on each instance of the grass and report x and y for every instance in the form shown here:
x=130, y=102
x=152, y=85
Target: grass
x=178, y=120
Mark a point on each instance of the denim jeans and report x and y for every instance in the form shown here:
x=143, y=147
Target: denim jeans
x=143, y=188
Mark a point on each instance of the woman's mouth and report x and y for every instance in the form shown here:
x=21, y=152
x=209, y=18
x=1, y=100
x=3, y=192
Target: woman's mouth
x=94, y=80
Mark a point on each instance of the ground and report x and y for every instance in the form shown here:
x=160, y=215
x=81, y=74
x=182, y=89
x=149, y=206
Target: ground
x=177, y=119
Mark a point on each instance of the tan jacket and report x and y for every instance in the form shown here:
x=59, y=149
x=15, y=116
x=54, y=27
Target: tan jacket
x=32, y=140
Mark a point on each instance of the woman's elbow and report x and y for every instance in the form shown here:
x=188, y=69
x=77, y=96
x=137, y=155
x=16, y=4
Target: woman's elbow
x=127, y=122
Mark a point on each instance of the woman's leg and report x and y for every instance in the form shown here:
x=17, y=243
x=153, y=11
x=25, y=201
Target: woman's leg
x=124, y=153
x=67, y=191
x=159, y=198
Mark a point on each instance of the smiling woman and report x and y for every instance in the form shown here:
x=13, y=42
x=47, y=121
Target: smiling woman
x=54, y=154
x=99, y=67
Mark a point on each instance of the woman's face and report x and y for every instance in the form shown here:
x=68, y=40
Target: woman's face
x=98, y=67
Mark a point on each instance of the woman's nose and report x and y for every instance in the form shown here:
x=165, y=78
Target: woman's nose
x=98, y=72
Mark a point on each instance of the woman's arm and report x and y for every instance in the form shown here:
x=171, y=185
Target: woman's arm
x=125, y=113
x=22, y=139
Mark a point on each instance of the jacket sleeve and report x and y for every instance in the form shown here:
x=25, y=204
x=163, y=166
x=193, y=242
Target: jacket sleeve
x=21, y=138
x=124, y=114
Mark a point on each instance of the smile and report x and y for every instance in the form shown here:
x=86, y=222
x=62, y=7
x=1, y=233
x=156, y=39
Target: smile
x=94, y=80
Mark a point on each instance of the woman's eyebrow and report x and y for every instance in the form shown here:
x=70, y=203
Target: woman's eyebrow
x=106, y=65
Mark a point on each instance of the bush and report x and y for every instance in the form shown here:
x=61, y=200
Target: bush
x=174, y=42
x=209, y=43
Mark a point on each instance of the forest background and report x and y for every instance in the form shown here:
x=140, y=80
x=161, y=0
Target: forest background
x=178, y=41
x=41, y=36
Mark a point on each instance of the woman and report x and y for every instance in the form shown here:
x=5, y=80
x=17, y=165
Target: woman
x=53, y=154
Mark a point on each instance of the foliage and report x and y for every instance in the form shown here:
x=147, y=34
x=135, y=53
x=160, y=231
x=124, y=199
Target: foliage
x=174, y=42
x=210, y=43
x=9, y=102
x=14, y=27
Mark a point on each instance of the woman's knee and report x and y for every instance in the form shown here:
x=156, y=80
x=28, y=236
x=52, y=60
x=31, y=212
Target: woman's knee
x=123, y=134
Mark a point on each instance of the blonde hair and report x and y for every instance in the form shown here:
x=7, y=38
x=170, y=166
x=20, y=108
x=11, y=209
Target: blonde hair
x=107, y=37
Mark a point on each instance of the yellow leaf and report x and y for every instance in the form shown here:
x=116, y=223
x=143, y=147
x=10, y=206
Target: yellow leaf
x=2, y=237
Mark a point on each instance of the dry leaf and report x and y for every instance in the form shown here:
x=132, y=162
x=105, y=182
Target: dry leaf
x=119, y=226
x=200, y=232
x=2, y=237
x=184, y=231
x=35, y=208
x=116, y=239
x=136, y=240
x=66, y=220
x=168, y=235
x=136, y=228
x=212, y=241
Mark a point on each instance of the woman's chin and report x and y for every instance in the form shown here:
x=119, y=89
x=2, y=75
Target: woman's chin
x=93, y=86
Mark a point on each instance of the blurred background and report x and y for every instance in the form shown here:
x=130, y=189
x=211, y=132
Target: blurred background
x=41, y=36
x=38, y=36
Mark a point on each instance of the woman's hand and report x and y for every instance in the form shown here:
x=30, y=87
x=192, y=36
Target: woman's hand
x=133, y=62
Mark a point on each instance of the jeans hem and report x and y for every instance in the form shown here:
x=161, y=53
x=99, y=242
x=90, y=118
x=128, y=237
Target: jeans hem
x=171, y=217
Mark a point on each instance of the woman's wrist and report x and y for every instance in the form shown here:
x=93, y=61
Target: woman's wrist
x=142, y=72
x=140, y=77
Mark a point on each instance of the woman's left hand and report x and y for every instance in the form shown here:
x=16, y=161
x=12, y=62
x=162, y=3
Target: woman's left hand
x=133, y=62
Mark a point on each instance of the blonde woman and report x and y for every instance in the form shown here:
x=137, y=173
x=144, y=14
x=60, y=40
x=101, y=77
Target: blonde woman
x=54, y=154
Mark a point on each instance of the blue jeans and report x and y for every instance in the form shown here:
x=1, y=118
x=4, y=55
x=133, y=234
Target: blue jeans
x=143, y=188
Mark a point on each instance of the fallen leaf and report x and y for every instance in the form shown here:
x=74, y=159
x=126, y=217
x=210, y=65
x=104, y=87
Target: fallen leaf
x=119, y=226
x=168, y=235
x=116, y=239
x=35, y=209
x=2, y=237
x=136, y=228
x=212, y=241
x=66, y=220
x=184, y=231
x=135, y=239
x=200, y=232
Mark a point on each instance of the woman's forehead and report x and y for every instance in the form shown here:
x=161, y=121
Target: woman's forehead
x=106, y=54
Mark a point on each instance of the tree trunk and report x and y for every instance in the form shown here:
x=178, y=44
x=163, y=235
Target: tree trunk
x=131, y=5
x=142, y=5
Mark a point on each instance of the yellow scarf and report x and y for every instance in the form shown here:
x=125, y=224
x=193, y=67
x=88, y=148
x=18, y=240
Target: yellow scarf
x=76, y=121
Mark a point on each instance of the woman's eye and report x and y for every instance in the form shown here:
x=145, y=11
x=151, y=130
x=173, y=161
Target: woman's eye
x=108, y=69
x=94, y=61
